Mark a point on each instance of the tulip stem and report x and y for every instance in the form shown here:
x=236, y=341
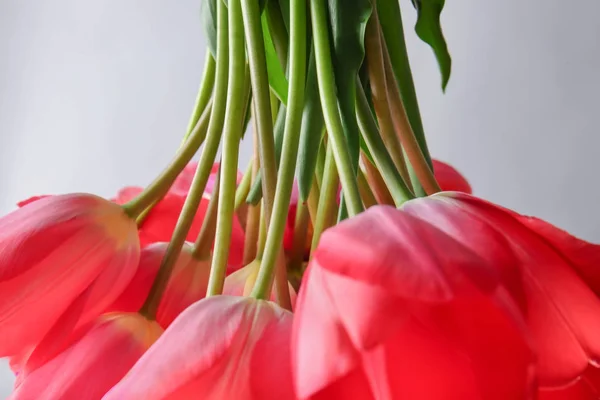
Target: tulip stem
x=379, y=96
x=301, y=231
x=365, y=190
x=231, y=146
x=244, y=187
x=201, y=175
x=204, y=93
x=202, y=247
x=326, y=213
x=253, y=218
x=329, y=104
x=403, y=128
x=291, y=139
x=368, y=127
x=380, y=190
x=161, y=184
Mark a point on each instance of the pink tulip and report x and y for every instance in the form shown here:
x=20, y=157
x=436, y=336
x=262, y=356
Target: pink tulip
x=391, y=307
x=63, y=260
x=222, y=347
x=558, y=288
x=92, y=365
x=241, y=282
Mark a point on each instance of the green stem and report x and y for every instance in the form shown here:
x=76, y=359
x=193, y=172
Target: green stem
x=380, y=98
x=262, y=233
x=326, y=212
x=409, y=141
x=161, y=184
x=398, y=188
x=331, y=113
x=204, y=93
x=291, y=139
x=244, y=187
x=202, y=171
x=376, y=182
x=204, y=241
x=231, y=143
x=365, y=190
x=262, y=100
x=393, y=31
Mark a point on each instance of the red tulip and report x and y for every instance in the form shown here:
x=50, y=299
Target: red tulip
x=222, y=347
x=63, y=260
x=393, y=308
x=93, y=364
x=449, y=178
x=559, y=277
x=241, y=282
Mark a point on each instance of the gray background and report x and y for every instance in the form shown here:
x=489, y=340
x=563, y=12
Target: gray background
x=95, y=95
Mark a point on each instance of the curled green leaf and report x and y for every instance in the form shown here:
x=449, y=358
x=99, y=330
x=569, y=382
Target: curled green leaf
x=429, y=29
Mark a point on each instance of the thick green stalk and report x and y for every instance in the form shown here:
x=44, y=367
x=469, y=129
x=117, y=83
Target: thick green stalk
x=204, y=93
x=232, y=132
x=331, y=113
x=291, y=138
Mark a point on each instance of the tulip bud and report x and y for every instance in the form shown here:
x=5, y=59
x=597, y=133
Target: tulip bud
x=92, y=365
x=221, y=347
x=61, y=257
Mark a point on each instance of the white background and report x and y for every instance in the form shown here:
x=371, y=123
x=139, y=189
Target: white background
x=95, y=95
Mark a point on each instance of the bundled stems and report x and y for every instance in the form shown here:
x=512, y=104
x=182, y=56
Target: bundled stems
x=291, y=138
x=379, y=96
x=331, y=113
x=396, y=185
x=407, y=136
x=204, y=93
x=254, y=211
x=202, y=172
x=377, y=183
x=232, y=135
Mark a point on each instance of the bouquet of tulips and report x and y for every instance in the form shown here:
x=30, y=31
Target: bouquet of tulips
x=342, y=263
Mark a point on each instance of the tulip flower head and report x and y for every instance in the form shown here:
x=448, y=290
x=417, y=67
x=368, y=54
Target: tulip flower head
x=408, y=313
x=92, y=365
x=221, y=347
x=61, y=257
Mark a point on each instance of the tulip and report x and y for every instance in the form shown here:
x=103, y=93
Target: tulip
x=93, y=364
x=241, y=282
x=449, y=178
x=559, y=289
x=222, y=347
x=62, y=259
x=393, y=308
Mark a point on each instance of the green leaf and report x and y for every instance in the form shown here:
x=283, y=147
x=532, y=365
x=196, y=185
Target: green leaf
x=348, y=20
x=277, y=79
x=311, y=132
x=208, y=16
x=428, y=28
